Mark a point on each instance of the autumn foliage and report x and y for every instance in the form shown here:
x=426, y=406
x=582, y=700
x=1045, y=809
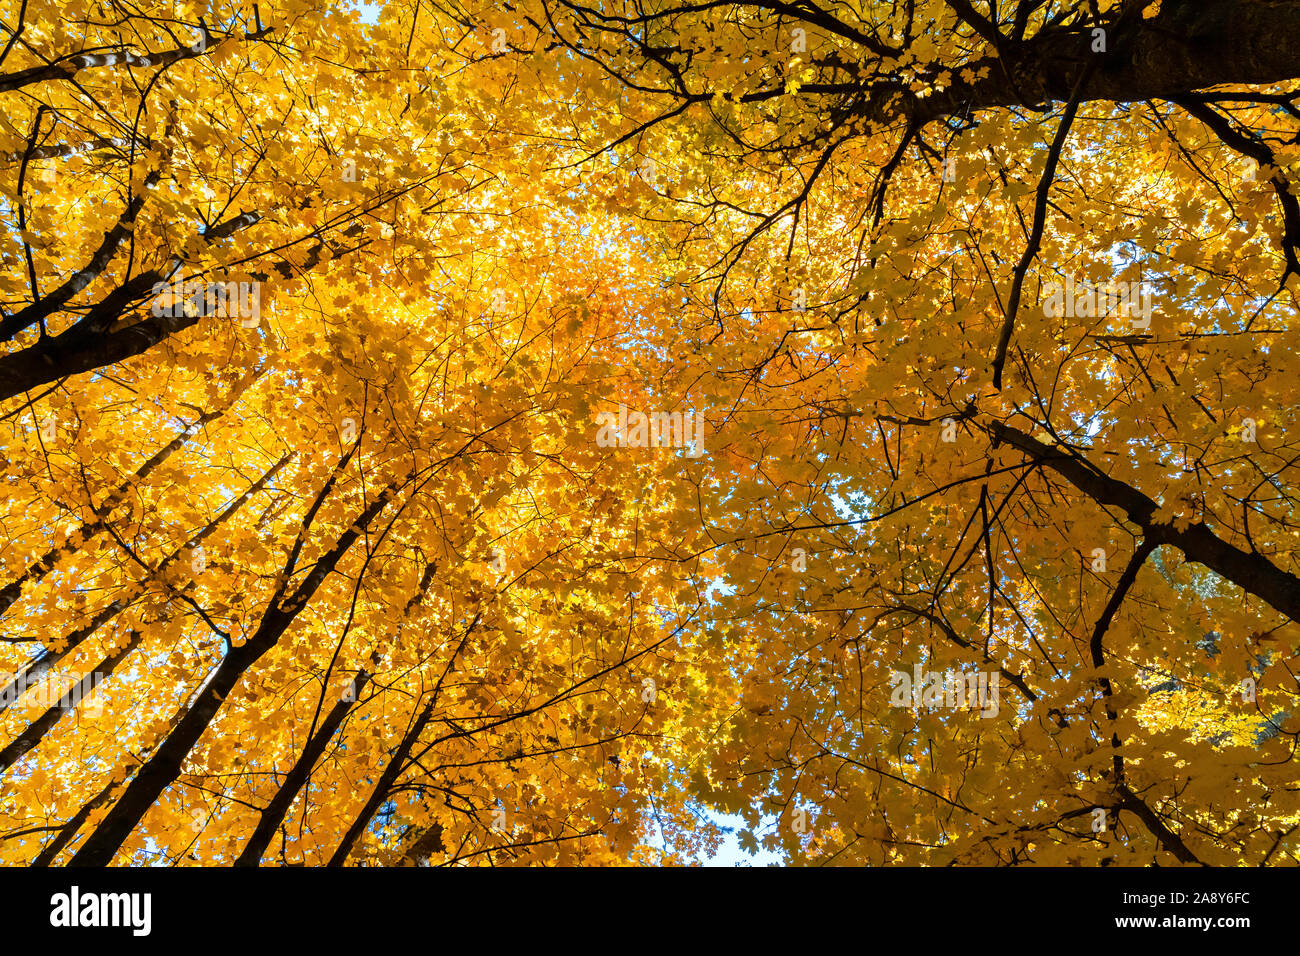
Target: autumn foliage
x=310, y=554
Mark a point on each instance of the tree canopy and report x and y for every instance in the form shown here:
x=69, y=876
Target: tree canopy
x=530, y=432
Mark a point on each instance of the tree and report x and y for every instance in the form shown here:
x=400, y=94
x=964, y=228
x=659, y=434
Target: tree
x=331, y=572
x=324, y=548
x=991, y=303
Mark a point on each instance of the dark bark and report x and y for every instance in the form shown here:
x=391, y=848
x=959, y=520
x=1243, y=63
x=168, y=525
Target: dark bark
x=162, y=769
x=45, y=563
x=69, y=66
x=32, y=735
x=88, y=344
x=396, y=764
x=1184, y=49
x=1214, y=43
x=1170, y=840
x=1251, y=571
x=38, y=728
x=274, y=813
x=37, y=669
x=425, y=845
x=92, y=342
x=56, y=299
x=69, y=830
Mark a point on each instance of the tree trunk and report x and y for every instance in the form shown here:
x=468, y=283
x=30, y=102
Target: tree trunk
x=164, y=766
